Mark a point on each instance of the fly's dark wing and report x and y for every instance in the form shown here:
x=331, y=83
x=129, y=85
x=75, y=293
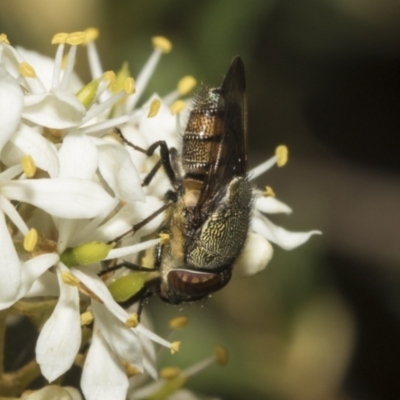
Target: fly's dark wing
x=230, y=153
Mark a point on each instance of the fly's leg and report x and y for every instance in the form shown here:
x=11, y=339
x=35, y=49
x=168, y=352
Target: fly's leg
x=165, y=160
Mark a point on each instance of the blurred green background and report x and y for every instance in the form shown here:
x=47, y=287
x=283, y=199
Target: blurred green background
x=322, y=322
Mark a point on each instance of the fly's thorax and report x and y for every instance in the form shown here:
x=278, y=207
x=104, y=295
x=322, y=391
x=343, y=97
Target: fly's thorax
x=219, y=241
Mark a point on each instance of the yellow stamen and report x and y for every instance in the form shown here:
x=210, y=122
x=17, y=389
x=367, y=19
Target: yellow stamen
x=28, y=166
x=268, y=192
x=282, y=154
x=4, y=39
x=130, y=369
x=177, y=107
x=76, y=38
x=154, y=108
x=30, y=240
x=164, y=238
x=186, y=84
x=162, y=43
x=132, y=321
x=178, y=322
x=129, y=86
x=110, y=77
x=27, y=70
x=59, y=38
x=169, y=373
x=221, y=356
x=91, y=34
x=86, y=318
x=69, y=279
x=175, y=347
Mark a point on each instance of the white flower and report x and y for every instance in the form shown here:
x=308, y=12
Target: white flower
x=83, y=188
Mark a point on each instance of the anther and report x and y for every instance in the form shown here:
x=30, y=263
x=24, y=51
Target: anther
x=4, y=39
x=162, y=43
x=186, y=84
x=130, y=369
x=86, y=318
x=221, y=356
x=282, y=155
x=30, y=240
x=268, y=192
x=175, y=347
x=91, y=34
x=154, y=108
x=27, y=70
x=59, y=38
x=178, y=322
x=164, y=238
x=28, y=166
x=169, y=373
x=129, y=86
x=76, y=38
x=69, y=279
x=110, y=77
x=132, y=321
x=177, y=107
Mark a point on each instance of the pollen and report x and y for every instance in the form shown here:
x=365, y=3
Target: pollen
x=169, y=373
x=28, y=166
x=177, y=107
x=59, y=38
x=161, y=43
x=30, y=240
x=221, y=356
x=282, y=154
x=70, y=279
x=132, y=321
x=129, y=85
x=175, y=347
x=4, y=39
x=186, y=84
x=268, y=192
x=76, y=38
x=109, y=76
x=91, y=34
x=27, y=70
x=178, y=322
x=164, y=238
x=86, y=318
x=154, y=108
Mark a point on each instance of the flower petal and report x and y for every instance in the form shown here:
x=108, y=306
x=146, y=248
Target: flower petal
x=61, y=197
x=271, y=205
x=103, y=376
x=275, y=234
x=45, y=285
x=26, y=141
x=119, y=172
x=10, y=266
x=60, y=337
x=254, y=257
x=78, y=157
x=123, y=342
x=11, y=104
x=56, y=110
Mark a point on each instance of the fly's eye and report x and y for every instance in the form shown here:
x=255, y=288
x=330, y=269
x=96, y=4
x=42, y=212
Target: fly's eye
x=193, y=284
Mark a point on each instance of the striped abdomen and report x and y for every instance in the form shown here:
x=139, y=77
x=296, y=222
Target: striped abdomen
x=203, y=131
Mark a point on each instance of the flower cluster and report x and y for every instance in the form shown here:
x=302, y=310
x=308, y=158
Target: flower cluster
x=69, y=186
